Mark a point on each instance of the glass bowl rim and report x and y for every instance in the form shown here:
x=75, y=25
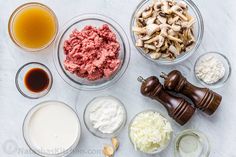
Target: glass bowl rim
x=67, y=151
x=164, y=116
x=47, y=71
x=12, y=17
x=118, y=29
x=214, y=85
x=184, y=56
x=117, y=132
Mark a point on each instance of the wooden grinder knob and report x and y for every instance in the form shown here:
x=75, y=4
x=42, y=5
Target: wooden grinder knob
x=203, y=98
x=179, y=109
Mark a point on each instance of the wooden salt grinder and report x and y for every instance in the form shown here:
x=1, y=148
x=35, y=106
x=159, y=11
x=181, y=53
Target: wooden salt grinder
x=179, y=109
x=203, y=98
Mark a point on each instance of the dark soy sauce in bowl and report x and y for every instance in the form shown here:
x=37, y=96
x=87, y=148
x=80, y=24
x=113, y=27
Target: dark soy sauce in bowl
x=36, y=80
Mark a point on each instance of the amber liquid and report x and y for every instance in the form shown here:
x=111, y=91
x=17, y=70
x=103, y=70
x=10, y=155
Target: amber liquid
x=36, y=80
x=34, y=27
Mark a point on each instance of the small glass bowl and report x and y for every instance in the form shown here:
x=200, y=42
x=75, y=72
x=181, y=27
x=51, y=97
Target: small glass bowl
x=197, y=134
x=15, y=13
x=29, y=142
x=79, y=23
x=96, y=132
x=158, y=150
x=226, y=64
x=20, y=84
x=198, y=33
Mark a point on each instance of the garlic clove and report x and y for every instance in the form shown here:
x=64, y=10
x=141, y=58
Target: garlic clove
x=108, y=151
x=115, y=142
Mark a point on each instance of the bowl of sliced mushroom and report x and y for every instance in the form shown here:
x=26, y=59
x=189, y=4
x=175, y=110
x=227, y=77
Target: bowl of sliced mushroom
x=167, y=31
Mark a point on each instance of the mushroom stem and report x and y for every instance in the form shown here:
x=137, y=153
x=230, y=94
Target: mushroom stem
x=141, y=79
x=163, y=75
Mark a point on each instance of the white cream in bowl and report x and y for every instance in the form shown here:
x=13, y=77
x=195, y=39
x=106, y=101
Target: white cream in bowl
x=52, y=128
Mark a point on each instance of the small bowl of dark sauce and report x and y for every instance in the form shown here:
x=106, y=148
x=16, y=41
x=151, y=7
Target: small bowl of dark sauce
x=33, y=80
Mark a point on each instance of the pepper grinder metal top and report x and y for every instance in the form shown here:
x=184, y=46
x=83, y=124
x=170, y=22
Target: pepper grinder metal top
x=179, y=109
x=203, y=98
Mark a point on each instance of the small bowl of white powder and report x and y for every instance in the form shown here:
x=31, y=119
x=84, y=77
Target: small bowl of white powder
x=105, y=116
x=212, y=69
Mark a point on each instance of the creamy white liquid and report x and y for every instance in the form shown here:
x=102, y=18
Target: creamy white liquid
x=53, y=128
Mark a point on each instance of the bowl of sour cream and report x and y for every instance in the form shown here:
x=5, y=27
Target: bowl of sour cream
x=105, y=116
x=52, y=129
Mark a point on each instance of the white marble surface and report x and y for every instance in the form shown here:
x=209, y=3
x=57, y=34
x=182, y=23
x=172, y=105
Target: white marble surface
x=220, y=23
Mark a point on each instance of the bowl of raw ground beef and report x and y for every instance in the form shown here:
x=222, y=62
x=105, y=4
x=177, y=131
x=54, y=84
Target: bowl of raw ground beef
x=91, y=52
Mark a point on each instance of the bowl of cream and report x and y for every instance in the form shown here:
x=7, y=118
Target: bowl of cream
x=150, y=132
x=105, y=116
x=52, y=128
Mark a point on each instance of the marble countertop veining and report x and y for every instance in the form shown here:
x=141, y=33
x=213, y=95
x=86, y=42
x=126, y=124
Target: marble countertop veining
x=219, y=35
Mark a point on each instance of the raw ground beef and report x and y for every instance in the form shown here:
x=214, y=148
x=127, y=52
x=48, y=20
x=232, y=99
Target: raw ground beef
x=92, y=53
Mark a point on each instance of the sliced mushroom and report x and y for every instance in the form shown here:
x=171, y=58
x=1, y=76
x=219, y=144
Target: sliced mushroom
x=165, y=7
x=140, y=22
x=147, y=37
x=157, y=6
x=164, y=28
x=161, y=41
x=139, y=30
x=176, y=28
x=171, y=32
x=188, y=24
x=146, y=50
x=149, y=46
x=139, y=14
x=174, y=50
x=190, y=35
x=182, y=4
x=152, y=40
x=147, y=13
x=174, y=38
x=165, y=46
x=151, y=20
x=178, y=47
x=151, y=28
x=165, y=55
x=162, y=19
x=178, y=11
x=155, y=55
x=139, y=43
x=173, y=20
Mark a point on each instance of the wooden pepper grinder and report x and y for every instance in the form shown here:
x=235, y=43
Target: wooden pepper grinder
x=203, y=98
x=179, y=109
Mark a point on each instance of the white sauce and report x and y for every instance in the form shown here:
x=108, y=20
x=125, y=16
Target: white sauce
x=210, y=69
x=106, y=114
x=53, y=128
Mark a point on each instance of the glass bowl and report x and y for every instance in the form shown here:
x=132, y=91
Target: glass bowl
x=43, y=152
x=159, y=150
x=20, y=80
x=18, y=10
x=193, y=135
x=226, y=65
x=198, y=32
x=80, y=22
x=96, y=132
